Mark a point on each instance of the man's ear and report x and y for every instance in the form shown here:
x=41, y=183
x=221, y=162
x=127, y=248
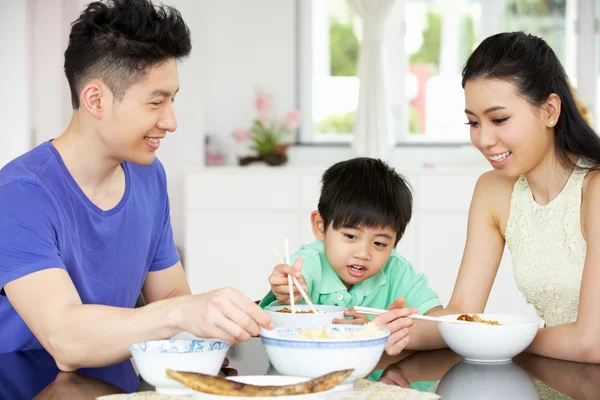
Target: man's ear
x=318, y=225
x=93, y=98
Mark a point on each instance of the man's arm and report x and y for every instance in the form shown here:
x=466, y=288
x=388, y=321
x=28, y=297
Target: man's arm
x=165, y=284
x=79, y=335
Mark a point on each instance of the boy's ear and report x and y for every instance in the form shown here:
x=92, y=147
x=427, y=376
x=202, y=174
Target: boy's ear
x=318, y=226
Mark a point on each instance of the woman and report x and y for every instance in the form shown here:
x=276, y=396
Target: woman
x=542, y=197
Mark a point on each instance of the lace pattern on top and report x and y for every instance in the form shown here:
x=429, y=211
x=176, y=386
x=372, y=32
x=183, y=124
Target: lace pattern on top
x=548, y=249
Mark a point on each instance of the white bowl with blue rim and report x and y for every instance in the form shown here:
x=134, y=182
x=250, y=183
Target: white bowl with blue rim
x=304, y=315
x=310, y=358
x=152, y=358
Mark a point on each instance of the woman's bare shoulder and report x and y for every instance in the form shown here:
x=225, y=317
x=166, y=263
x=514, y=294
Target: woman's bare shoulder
x=493, y=194
x=494, y=183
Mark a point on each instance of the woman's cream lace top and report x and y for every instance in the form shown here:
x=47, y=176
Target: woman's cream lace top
x=548, y=249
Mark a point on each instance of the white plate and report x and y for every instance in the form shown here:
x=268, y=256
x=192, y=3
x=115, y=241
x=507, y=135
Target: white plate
x=265, y=380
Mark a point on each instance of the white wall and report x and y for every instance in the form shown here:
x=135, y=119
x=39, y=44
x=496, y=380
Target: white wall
x=249, y=44
x=14, y=63
x=51, y=102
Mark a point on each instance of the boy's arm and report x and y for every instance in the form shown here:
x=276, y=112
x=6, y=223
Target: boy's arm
x=415, y=289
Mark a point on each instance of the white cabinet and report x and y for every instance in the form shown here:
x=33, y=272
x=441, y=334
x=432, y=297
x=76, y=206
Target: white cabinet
x=234, y=215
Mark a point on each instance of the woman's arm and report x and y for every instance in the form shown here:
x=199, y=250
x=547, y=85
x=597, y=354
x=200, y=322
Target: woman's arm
x=480, y=262
x=578, y=341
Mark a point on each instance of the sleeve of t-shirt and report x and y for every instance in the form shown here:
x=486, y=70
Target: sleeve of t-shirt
x=28, y=232
x=166, y=252
x=308, y=268
x=413, y=287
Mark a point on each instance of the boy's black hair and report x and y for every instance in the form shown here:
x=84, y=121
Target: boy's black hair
x=117, y=40
x=365, y=192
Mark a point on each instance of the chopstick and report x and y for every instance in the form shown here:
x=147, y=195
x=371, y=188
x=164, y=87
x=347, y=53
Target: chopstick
x=377, y=311
x=298, y=285
x=290, y=286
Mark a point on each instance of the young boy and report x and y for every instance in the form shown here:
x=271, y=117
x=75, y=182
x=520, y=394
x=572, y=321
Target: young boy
x=363, y=212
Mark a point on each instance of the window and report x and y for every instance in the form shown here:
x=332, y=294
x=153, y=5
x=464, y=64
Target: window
x=330, y=44
x=427, y=43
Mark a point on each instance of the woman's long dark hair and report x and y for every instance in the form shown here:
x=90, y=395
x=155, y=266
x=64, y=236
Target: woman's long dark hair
x=532, y=66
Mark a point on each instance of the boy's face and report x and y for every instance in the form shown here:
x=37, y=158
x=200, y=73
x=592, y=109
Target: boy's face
x=355, y=254
x=132, y=129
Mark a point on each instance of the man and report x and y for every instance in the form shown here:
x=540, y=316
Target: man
x=84, y=218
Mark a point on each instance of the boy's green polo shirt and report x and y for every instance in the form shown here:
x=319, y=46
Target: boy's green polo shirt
x=397, y=278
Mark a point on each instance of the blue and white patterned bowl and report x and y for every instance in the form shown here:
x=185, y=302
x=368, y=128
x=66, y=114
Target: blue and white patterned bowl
x=315, y=357
x=198, y=355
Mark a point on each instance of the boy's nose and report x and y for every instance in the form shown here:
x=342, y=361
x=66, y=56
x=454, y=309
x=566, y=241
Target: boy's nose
x=363, y=256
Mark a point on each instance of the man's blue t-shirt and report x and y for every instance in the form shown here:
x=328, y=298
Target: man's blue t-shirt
x=46, y=221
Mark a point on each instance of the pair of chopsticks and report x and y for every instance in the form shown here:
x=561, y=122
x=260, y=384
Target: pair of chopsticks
x=293, y=279
x=377, y=311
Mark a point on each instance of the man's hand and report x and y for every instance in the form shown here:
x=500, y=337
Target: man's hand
x=222, y=314
x=228, y=371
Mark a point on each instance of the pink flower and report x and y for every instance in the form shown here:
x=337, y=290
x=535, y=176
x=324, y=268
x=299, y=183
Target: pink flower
x=264, y=104
x=293, y=119
x=241, y=135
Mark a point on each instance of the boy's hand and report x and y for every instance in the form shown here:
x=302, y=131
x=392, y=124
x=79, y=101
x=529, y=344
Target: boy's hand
x=357, y=318
x=279, y=281
x=397, y=322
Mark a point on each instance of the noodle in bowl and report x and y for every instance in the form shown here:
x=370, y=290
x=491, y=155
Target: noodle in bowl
x=311, y=351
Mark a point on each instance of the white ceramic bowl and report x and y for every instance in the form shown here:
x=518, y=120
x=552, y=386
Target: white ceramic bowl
x=324, y=316
x=479, y=342
x=315, y=357
x=468, y=380
x=154, y=357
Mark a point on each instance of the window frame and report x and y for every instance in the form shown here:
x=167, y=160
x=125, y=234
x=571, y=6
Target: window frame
x=586, y=30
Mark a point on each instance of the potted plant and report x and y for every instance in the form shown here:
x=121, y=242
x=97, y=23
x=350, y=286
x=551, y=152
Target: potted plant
x=269, y=137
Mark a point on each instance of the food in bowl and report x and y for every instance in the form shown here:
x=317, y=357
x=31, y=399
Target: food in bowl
x=369, y=330
x=286, y=310
x=477, y=318
x=227, y=387
x=478, y=342
x=309, y=357
x=152, y=358
x=324, y=316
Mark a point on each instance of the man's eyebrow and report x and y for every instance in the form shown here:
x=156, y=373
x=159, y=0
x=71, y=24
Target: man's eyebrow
x=162, y=93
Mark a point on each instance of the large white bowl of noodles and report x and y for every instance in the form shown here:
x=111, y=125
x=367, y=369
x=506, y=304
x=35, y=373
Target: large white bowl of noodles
x=488, y=343
x=304, y=316
x=314, y=351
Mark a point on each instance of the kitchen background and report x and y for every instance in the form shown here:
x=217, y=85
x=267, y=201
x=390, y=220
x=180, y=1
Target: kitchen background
x=304, y=55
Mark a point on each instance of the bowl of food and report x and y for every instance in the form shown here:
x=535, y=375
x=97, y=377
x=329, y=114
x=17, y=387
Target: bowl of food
x=488, y=338
x=153, y=358
x=304, y=316
x=311, y=351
